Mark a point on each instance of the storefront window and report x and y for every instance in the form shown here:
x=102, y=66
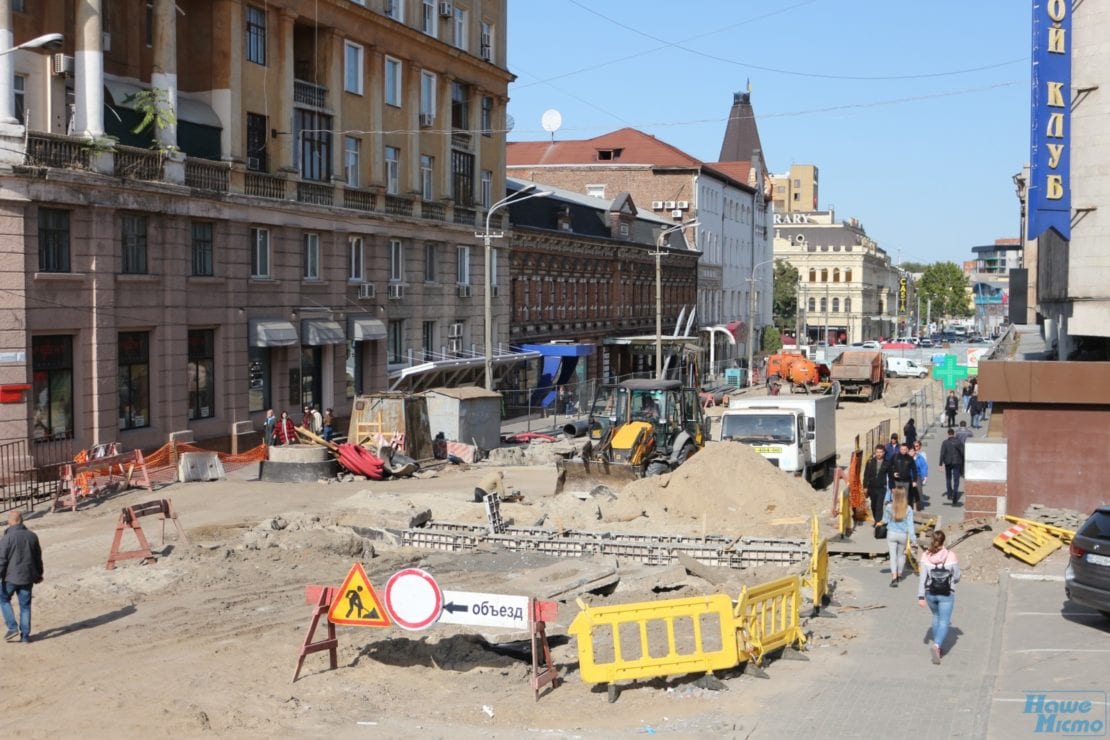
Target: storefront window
x=258, y=373
x=52, y=367
x=134, y=379
x=200, y=373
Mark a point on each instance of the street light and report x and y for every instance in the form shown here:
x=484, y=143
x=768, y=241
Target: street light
x=751, y=316
x=659, y=292
x=520, y=195
x=49, y=41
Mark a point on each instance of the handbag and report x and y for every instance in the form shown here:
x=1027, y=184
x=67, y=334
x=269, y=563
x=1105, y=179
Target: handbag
x=880, y=531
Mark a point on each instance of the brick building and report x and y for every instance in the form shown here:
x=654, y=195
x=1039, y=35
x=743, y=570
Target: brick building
x=302, y=229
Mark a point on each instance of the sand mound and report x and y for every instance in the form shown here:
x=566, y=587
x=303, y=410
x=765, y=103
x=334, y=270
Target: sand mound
x=727, y=488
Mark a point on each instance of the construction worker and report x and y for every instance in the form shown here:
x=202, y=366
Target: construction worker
x=491, y=483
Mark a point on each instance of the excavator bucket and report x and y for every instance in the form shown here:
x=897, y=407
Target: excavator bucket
x=584, y=475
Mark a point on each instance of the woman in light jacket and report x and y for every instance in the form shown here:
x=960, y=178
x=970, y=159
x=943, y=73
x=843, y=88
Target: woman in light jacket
x=898, y=519
x=930, y=591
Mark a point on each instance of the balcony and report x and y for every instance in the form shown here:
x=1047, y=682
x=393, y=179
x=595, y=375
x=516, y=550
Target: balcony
x=263, y=185
x=51, y=150
x=310, y=94
x=358, y=200
x=204, y=174
x=465, y=216
x=138, y=164
x=315, y=193
x=433, y=211
x=397, y=206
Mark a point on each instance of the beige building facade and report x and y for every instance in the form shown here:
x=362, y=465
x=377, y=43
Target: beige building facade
x=300, y=228
x=796, y=191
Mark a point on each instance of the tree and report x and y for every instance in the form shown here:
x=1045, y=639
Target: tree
x=772, y=340
x=946, y=285
x=785, y=305
x=914, y=266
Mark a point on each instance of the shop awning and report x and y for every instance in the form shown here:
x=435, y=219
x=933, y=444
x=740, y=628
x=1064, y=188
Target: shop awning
x=272, y=333
x=193, y=111
x=365, y=330
x=318, y=332
x=560, y=349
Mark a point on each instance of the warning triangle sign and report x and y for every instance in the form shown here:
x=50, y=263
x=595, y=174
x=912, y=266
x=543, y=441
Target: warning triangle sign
x=356, y=603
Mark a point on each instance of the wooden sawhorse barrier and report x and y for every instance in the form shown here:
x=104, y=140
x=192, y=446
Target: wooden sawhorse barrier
x=128, y=463
x=321, y=597
x=129, y=519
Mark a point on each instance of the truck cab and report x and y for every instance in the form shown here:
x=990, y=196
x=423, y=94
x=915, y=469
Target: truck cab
x=779, y=435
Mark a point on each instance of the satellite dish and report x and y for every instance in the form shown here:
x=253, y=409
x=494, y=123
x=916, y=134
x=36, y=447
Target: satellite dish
x=551, y=121
x=510, y=122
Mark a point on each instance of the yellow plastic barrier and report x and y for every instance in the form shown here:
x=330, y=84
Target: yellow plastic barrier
x=817, y=574
x=768, y=616
x=845, y=521
x=655, y=638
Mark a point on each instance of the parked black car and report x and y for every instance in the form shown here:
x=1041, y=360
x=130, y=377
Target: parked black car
x=1087, y=578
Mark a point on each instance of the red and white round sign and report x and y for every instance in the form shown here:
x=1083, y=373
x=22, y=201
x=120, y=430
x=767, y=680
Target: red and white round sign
x=413, y=598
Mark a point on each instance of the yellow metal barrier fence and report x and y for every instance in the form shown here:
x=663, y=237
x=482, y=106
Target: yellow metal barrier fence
x=768, y=616
x=817, y=574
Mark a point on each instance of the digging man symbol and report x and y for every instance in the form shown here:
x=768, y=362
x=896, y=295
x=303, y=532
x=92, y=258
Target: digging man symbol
x=354, y=603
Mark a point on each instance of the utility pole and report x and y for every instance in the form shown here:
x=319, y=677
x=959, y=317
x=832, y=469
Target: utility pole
x=658, y=253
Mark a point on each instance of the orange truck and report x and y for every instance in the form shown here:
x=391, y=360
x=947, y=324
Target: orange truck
x=795, y=368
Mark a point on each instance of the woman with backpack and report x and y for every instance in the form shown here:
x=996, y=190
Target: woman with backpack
x=940, y=571
x=898, y=521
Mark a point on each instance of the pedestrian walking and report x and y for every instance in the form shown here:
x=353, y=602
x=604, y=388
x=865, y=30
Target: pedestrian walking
x=328, y=430
x=963, y=433
x=317, y=421
x=940, y=571
x=951, y=408
x=892, y=447
x=875, y=475
x=975, y=409
x=966, y=396
x=909, y=433
x=922, y=463
x=20, y=569
x=903, y=470
x=952, y=460
x=284, y=432
x=898, y=519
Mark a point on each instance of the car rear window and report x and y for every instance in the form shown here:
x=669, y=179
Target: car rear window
x=1097, y=527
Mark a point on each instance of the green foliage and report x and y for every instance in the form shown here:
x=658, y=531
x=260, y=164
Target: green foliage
x=914, y=266
x=772, y=340
x=154, y=105
x=785, y=295
x=947, y=285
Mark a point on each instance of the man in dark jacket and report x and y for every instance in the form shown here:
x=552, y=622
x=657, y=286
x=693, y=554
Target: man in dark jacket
x=20, y=570
x=952, y=460
x=875, y=475
x=903, y=469
x=951, y=407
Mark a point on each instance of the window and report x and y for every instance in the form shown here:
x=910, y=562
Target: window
x=52, y=375
x=848, y=275
x=134, y=379
x=427, y=94
x=311, y=256
x=812, y=304
x=19, y=6
x=396, y=340
x=462, y=276
x=824, y=275
x=486, y=123
x=797, y=183
x=392, y=81
x=256, y=142
x=133, y=242
x=824, y=305
x=260, y=253
x=595, y=191
x=460, y=39
x=202, y=248
x=427, y=177
x=199, y=371
x=392, y=170
x=486, y=48
x=431, y=254
x=313, y=156
x=354, y=249
x=395, y=9
x=429, y=20
x=352, y=67
x=836, y=305
x=836, y=274
x=258, y=374
x=462, y=177
x=847, y=305
x=487, y=188
x=53, y=240
x=460, y=106
x=256, y=35
x=428, y=340
x=396, y=261
x=351, y=147
x=19, y=90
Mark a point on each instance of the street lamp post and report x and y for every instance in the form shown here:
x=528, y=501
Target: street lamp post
x=7, y=100
x=47, y=40
x=658, y=253
x=488, y=237
x=751, y=317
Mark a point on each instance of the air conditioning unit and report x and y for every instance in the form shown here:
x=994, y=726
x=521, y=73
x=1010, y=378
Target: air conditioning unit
x=63, y=65
x=669, y=205
x=446, y=10
x=683, y=204
x=366, y=291
x=455, y=331
x=657, y=205
x=427, y=120
x=396, y=291
x=454, y=346
x=254, y=163
x=676, y=213
x=464, y=291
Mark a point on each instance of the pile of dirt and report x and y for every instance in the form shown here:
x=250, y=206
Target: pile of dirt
x=727, y=488
x=297, y=531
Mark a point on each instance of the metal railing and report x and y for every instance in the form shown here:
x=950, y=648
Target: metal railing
x=433, y=211
x=30, y=471
x=397, y=206
x=465, y=216
x=359, y=200
x=263, y=185
x=204, y=174
x=315, y=193
x=462, y=140
x=51, y=150
x=308, y=93
x=138, y=164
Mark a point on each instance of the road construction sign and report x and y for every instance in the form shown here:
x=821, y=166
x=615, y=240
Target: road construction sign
x=356, y=604
x=413, y=598
x=485, y=610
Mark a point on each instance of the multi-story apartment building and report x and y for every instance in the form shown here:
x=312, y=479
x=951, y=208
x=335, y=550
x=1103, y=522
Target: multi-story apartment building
x=796, y=190
x=849, y=291
x=297, y=226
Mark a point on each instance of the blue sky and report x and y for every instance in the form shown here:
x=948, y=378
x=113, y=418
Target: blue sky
x=924, y=158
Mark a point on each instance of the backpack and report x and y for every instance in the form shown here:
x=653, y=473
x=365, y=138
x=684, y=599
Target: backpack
x=939, y=580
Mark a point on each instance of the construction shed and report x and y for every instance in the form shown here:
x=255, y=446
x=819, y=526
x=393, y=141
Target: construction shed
x=470, y=415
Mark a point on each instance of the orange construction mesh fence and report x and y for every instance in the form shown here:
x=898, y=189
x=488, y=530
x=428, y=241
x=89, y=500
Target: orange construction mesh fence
x=162, y=463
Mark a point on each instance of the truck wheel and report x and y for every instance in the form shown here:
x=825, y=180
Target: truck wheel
x=922, y=375
x=687, y=452
x=657, y=468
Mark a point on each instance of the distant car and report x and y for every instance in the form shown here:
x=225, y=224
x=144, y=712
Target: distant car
x=871, y=344
x=899, y=345
x=925, y=343
x=904, y=367
x=977, y=340
x=1087, y=577
x=857, y=344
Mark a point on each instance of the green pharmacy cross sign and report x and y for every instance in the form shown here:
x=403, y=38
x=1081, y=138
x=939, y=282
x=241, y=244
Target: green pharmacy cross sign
x=950, y=372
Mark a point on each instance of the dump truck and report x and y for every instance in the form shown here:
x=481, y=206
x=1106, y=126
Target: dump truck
x=859, y=373
x=803, y=375
x=635, y=428
x=797, y=435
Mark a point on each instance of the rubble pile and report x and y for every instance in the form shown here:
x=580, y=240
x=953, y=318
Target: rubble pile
x=1064, y=518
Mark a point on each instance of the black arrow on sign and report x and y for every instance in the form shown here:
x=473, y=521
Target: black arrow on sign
x=451, y=606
